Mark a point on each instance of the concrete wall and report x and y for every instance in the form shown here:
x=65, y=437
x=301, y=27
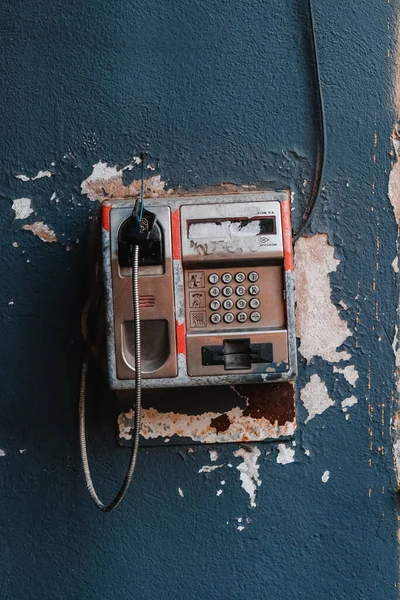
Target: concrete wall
x=218, y=93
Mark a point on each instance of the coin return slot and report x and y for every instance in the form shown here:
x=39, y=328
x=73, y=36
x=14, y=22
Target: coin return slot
x=236, y=354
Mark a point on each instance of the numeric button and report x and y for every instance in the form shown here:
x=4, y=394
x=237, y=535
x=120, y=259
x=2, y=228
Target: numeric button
x=254, y=290
x=241, y=303
x=228, y=304
x=240, y=290
x=240, y=277
x=226, y=278
x=227, y=291
x=228, y=317
x=215, y=304
x=213, y=278
x=214, y=292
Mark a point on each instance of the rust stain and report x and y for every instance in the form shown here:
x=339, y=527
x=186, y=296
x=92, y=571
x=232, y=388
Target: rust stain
x=275, y=401
x=221, y=423
x=42, y=231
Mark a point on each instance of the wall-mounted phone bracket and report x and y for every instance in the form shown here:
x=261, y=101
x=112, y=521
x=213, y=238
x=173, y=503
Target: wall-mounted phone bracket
x=217, y=303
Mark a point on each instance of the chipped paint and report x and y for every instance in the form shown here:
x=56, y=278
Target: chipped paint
x=219, y=492
x=348, y=402
x=285, y=454
x=2, y=452
x=106, y=182
x=249, y=470
x=315, y=397
x=350, y=374
x=42, y=231
x=213, y=455
x=394, y=177
x=204, y=427
x=39, y=175
x=180, y=492
x=209, y=468
x=325, y=476
x=318, y=323
x=22, y=208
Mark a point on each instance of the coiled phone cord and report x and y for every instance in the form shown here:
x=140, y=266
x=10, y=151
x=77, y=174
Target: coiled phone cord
x=138, y=403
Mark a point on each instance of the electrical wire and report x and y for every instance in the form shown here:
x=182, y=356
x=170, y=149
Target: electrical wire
x=322, y=142
x=138, y=403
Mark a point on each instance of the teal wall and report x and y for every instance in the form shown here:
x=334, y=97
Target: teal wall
x=218, y=92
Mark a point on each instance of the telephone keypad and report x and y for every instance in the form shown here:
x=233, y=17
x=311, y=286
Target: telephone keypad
x=227, y=291
x=235, y=298
x=240, y=290
x=228, y=304
x=226, y=278
x=214, y=292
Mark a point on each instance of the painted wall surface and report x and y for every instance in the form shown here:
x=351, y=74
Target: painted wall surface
x=218, y=92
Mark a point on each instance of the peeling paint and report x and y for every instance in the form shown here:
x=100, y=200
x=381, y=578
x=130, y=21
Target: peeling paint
x=325, y=477
x=318, y=323
x=395, y=425
x=285, y=454
x=209, y=468
x=348, y=402
x=106, y=182
x=42, y=231
x=2, y=453
x=199, y=428
x=350, y=374
x=315, y=397
x=394, y=178
x=39, y=175
x=213, y=455
x=219, y=492
x=180, y=492
x=248, y=470
x=22, y=208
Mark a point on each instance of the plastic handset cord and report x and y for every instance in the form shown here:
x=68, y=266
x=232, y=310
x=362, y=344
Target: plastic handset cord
x=138, y=403
x=322, y=145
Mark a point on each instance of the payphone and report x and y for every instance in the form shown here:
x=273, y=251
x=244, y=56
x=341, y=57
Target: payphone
x=215, y=291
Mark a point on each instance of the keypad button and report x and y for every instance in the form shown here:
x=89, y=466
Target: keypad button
x=228, y=317
x=215, y=304
x=253, y=276
x=254, y=303
x=226, y=278
x=241, y=303
x=240, y=290
x=213, y=278
x=255, y=316
x=253, y=290
x=227, y=291
x=215, y=318
x=242, y=317
x=228, y=304
x=214, y=292
x=240, y=277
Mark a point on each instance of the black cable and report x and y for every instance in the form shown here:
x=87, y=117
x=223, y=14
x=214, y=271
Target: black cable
x=322, y=142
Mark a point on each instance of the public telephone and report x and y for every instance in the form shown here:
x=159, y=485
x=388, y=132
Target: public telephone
x=215, y=291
